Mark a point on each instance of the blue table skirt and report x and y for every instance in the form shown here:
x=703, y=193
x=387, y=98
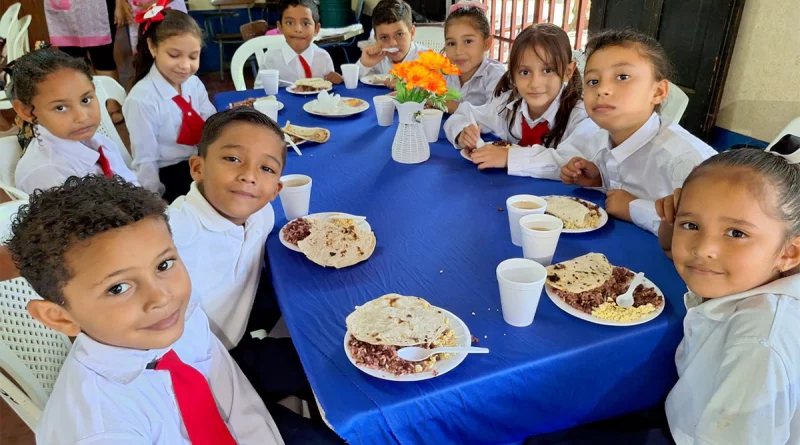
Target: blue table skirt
x=442, y=229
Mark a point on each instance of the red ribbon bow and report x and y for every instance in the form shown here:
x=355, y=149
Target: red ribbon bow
x=153, y=14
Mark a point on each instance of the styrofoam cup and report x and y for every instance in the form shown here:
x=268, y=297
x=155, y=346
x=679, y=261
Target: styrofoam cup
x=432, y=123
x=540, y=234
x=350, y=75
x=521, y=282
x=295, y=195
x=515, y=213
x=269, y=80
x=384, y=108
x=268, y=107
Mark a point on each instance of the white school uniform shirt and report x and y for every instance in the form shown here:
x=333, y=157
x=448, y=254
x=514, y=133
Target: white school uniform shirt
x=479, y=90
x=49, y=161
x=650, y=165
x=287, y=63
x=535, y=161
x=739, y=369
x=104, y=394
x=386, y=65
x=224, y=260
x=154, y=122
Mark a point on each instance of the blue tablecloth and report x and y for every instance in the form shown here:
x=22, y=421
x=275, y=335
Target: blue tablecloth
x=442, y=230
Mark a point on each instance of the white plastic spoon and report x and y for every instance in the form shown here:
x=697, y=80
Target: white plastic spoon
x=626, y=299
x=417, y=354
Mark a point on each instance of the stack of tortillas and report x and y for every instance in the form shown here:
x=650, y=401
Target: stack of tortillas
x=337, y=245
x=581, y=274
x=397, y=320
x=313, y=134
x=572, y=212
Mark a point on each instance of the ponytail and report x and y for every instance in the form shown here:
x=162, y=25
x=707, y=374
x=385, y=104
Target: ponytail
x=174, y=23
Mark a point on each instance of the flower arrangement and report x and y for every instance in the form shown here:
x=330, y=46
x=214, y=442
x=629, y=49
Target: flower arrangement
x=422, y=80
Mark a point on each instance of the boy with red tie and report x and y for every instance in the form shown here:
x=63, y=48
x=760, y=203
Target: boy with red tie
x=299, y=57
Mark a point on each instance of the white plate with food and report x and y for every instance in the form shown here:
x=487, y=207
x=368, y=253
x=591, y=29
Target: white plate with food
x=578, y=215
x=304, y=134
x=376, y=80
x=586, y=287
x=348, y=106
x=251, y=101
x=465, y=155
x=411, y=321
x=300, y=230
x=308, y=87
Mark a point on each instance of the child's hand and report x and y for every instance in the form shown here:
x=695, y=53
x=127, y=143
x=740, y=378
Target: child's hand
x=392, y=94
x=123, y=14
x=618, y=204
x=665, y=231
x=468, y=138
x=372, y=55
x=667, y=207
x=490, y=156
x=334, y=78
x=581, y=172
x=391, y=83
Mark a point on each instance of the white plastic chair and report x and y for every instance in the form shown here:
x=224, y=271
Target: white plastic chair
x=10, y=153
x=792, y=128
x=17, y=41
x=431, y=37
x=107, y=88
x=673, y=108
x=12, y=13
x=579, y=56
x=255, y=46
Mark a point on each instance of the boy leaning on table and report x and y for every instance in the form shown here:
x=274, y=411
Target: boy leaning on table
x=299, y=57
x=391, y=20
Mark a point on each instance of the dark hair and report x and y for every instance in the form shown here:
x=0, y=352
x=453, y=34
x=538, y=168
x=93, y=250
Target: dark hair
x=555, y=44
x=475, y=15
x=631, y=38
x=217, y=123
x=175, y=23
x=54, y=220
x=34, y=67
x=387, y=12
x=772, y=171
x=283, y=5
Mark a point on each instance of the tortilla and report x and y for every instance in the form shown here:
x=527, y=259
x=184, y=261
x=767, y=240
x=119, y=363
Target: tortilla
x=397, y=320
x=581, y=274
x=313, y=134
x=314, y=83
x=334, y=245
x=574, y=214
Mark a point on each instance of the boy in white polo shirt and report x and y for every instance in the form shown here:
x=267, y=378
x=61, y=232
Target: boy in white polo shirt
x=392, y=23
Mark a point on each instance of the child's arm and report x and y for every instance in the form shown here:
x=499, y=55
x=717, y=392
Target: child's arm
x=452, y=106
x=486, y=116
x=371, y=56
x=142, y=120
x=8, y=270
x=331, y=75
x=542, y=162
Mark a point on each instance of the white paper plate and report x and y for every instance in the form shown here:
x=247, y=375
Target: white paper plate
x=362, y=224
x=280, y=104
x=592, y=319
x=600, y=224
x=375, y=80
x=290, y=89
x=463, y=338
x=465, y=155
x=343, y=111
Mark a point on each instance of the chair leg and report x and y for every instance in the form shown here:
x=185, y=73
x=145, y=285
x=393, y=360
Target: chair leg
x=221, y=49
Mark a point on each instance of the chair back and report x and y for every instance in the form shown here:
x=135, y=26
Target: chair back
x=10, y=154
x=673, y=108
x=431, y=37
x=792, y=128
x=107, y=88
x=255, y=46
x=17, y=41
x=11, y=14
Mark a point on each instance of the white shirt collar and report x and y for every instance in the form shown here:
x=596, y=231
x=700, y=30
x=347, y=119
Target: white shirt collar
x=643, y=135
x=722, y=308
x=549, y=114
x=71, y=149
x=209, y=216
x=115, y=363
x=483, y=68
x=161, y=84
x=289, y=54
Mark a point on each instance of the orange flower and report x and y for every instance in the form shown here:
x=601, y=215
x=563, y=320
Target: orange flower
x=426, y=73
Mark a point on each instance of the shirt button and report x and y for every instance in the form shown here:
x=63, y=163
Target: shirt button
x=190, y=113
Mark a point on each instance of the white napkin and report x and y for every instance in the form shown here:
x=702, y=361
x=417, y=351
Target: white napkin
x=327, y=103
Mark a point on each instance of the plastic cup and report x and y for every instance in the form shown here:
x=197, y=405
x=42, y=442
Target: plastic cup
x=296, y=195
x=268, y=107
x=350, y=75
x=540, y=234
x=518, y=206
x=432, y=123
x=269, y=80
x=384, y=108
x=521, y=282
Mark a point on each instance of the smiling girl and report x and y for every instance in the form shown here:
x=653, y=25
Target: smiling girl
x=168, y=105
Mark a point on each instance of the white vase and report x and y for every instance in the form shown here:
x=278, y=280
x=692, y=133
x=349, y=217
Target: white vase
x=410, y=145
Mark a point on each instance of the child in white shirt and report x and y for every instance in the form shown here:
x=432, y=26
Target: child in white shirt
x=393, y=27
x=54, y=92
x=639, y=156
x=536, y=106
x=168, y=105
x=468, y=37
x=115, y=282
x=299, y=57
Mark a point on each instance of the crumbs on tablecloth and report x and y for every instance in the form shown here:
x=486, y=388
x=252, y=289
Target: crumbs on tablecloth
x=475, y=340
x=441, y=271
x=499, y=209
x=485, y=336
x=473, y=313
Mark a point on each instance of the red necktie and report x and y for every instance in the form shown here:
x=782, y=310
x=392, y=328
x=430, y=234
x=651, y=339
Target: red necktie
x=104, y=164
x=192, y=123
x=533, y=136
x=306, y=67
x=196, y=403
